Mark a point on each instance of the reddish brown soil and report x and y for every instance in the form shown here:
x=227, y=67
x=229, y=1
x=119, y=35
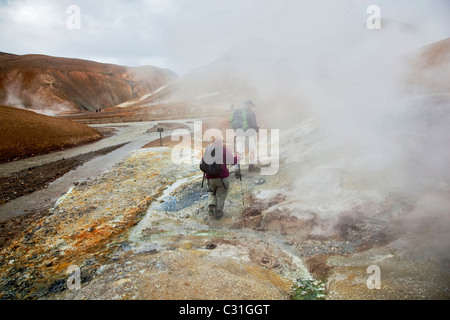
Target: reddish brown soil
x=318, y=266
x=63, y=84
x=26, y=133
x=435, y=54
x=146, y=113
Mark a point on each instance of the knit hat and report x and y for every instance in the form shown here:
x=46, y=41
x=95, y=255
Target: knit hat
x=249, y=103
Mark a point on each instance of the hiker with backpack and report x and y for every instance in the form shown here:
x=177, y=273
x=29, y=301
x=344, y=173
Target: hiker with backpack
x=245, y=119
x=214, y=165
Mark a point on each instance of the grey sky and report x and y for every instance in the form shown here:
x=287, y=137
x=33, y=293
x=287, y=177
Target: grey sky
x=186, y=34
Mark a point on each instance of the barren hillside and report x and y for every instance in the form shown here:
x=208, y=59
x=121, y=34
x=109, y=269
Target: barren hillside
x=56, y=85
x=26, y=133
x=431, y=68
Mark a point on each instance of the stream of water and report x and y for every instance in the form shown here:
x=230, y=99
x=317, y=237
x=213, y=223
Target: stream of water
x=176, y=214
x=135, y=136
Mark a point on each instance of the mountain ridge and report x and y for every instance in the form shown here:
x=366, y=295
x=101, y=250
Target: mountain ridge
x=55, y=85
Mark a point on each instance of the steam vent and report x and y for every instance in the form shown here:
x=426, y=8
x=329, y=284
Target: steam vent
x=229, y=157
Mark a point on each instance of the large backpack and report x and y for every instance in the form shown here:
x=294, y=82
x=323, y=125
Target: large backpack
x=238, y=119
x=213, y=169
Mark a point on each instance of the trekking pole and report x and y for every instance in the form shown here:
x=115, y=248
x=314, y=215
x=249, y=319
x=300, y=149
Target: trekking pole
x=242, y=190
x=200, y=196
x=240, y=175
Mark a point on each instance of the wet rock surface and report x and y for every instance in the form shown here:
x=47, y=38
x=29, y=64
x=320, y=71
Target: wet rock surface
x=92, y=228
x=141, y=231
x=78, y=229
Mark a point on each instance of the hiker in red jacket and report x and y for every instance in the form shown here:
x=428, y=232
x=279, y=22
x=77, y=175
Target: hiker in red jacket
x=218, y=184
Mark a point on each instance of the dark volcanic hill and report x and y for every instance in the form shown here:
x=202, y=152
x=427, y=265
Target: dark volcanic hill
x=58, y=85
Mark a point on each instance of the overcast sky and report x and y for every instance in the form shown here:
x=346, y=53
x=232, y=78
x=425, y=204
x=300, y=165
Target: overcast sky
x=185, y=34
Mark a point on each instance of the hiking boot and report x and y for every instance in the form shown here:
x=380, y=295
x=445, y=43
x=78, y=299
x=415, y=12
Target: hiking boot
x=253, y=168
x=237, y=174
x=219, y=214
x=211, y=211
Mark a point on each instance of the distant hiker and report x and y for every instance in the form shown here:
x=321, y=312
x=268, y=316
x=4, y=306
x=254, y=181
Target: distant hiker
x=245, y=119
x=214, y=165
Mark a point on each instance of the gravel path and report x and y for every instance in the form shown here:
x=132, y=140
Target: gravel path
x=133, y=135
x=125, y=133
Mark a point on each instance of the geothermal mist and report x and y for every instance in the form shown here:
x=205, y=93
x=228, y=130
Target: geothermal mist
x=357, y=93
x=387, y=134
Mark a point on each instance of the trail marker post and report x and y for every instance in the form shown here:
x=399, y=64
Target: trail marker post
x=160, y=130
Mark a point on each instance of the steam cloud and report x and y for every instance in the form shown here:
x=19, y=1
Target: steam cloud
x=383, y=130
x=354, y=82
x=383, y=120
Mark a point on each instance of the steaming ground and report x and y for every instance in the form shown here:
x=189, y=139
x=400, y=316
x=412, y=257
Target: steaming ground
x=324, y=221
x=363, y=181
x=366, y=209
x=136, y=232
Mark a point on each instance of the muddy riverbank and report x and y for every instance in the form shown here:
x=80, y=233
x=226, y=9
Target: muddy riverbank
x=33, y=184
x=35, y=178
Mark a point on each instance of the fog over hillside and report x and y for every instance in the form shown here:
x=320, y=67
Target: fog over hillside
x=358, y=92
x=379, y=95
x=367, y=89
x=380, y=108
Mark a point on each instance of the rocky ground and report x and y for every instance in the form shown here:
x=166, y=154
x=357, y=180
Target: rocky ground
x=35, y=178
x=87, y=229
x=140, y=231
